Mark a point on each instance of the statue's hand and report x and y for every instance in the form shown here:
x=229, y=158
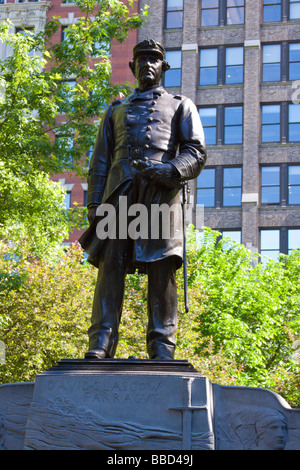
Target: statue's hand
x=162, y=173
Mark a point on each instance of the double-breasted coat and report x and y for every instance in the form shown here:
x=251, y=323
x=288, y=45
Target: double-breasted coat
x=151, y=125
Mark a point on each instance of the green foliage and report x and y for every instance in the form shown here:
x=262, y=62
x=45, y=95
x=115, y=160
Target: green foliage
x=46, y=310
x=41, y=113
x=241, y=327
x=249, y=310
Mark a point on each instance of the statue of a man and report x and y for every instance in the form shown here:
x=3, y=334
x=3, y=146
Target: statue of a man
x=147, y=146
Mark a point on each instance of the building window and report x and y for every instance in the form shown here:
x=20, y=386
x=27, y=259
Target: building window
x=232, y=187
x=235, y=12
x=294, y=10
x=293, y=240
x=235, y=235
x=206, y=187
x=294, y=123
x=294, y=61
x=67, y=95
x=271, y=123
x=280, y=184
x=277, y=10
x=269, y=244
x=208, y=118
x=233, y=125
x=100, y=48
x=210, y=12
x=275, y=241
x=271, y=10
x=63, y=32
x=271, y=68
x=65, y=145
x=220, y=187
x=67, y=200
x=222, y=65
x=294, y=184
x=280, y=122
x=209, y=66
x=222, y=12
x=280, y=62
x=172, y=77
x=222, y=125
x=234, y=65
x=270, y=185
x=174, y=14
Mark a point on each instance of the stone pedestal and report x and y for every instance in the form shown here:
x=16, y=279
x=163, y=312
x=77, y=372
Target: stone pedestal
x=120, y=405
x=138, y=405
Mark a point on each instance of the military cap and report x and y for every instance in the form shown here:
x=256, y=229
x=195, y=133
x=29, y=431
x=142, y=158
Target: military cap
x=148, y=46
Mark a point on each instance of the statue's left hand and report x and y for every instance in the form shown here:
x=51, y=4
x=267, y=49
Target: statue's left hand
x=163, y=173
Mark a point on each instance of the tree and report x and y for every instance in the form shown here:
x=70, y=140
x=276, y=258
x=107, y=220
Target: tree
x=51, y=99
x=250, y=310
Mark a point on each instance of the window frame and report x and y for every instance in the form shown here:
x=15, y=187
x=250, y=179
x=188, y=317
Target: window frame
x=209, y=126
x=289, y=185
x=219, y=187
x=278, y=186
x=269, y=124
x=170, y=11
x=285, y=60
x=239, y=167
x=285, y=14
x=289, y=61
x=284, y=185
x=236, y=230
x=67, y=199
x=283, y=234
x=220, y=122
x=179, y=68
x=222, y=9
x=221, y=65
x=290, y=3
x=228, y=125
x=284, y=122
x=217, y=66
x=281, y=54
x=275, y=2
x=212, y=188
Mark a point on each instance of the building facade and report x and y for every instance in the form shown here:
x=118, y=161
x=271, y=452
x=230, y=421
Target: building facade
x=32, y=14
x=239, y=61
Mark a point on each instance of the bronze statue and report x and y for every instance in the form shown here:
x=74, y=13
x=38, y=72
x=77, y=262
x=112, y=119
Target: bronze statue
x=147, y=146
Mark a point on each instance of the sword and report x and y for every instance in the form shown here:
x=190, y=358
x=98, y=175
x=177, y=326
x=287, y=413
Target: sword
x=185, y=189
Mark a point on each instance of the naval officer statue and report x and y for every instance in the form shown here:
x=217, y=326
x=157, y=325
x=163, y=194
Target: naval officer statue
x=147, y=146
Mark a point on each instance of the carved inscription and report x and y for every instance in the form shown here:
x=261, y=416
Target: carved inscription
x=110, y=392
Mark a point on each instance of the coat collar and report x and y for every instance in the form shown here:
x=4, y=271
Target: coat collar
x=147, y=94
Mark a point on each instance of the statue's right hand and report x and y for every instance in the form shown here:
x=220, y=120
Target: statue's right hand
x=92, y=214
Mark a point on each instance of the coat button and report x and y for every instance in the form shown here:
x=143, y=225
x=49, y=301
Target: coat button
x=150, y=119
x=148, y=137
x=148, y=128
x=151, y=110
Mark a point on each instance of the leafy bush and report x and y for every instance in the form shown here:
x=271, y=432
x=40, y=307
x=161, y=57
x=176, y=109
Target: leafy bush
x=241, y=327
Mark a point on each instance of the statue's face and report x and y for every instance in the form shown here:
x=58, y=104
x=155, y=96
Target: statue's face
x=148, y=70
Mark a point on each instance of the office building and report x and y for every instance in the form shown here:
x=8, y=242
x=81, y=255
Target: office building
x=239, y=61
